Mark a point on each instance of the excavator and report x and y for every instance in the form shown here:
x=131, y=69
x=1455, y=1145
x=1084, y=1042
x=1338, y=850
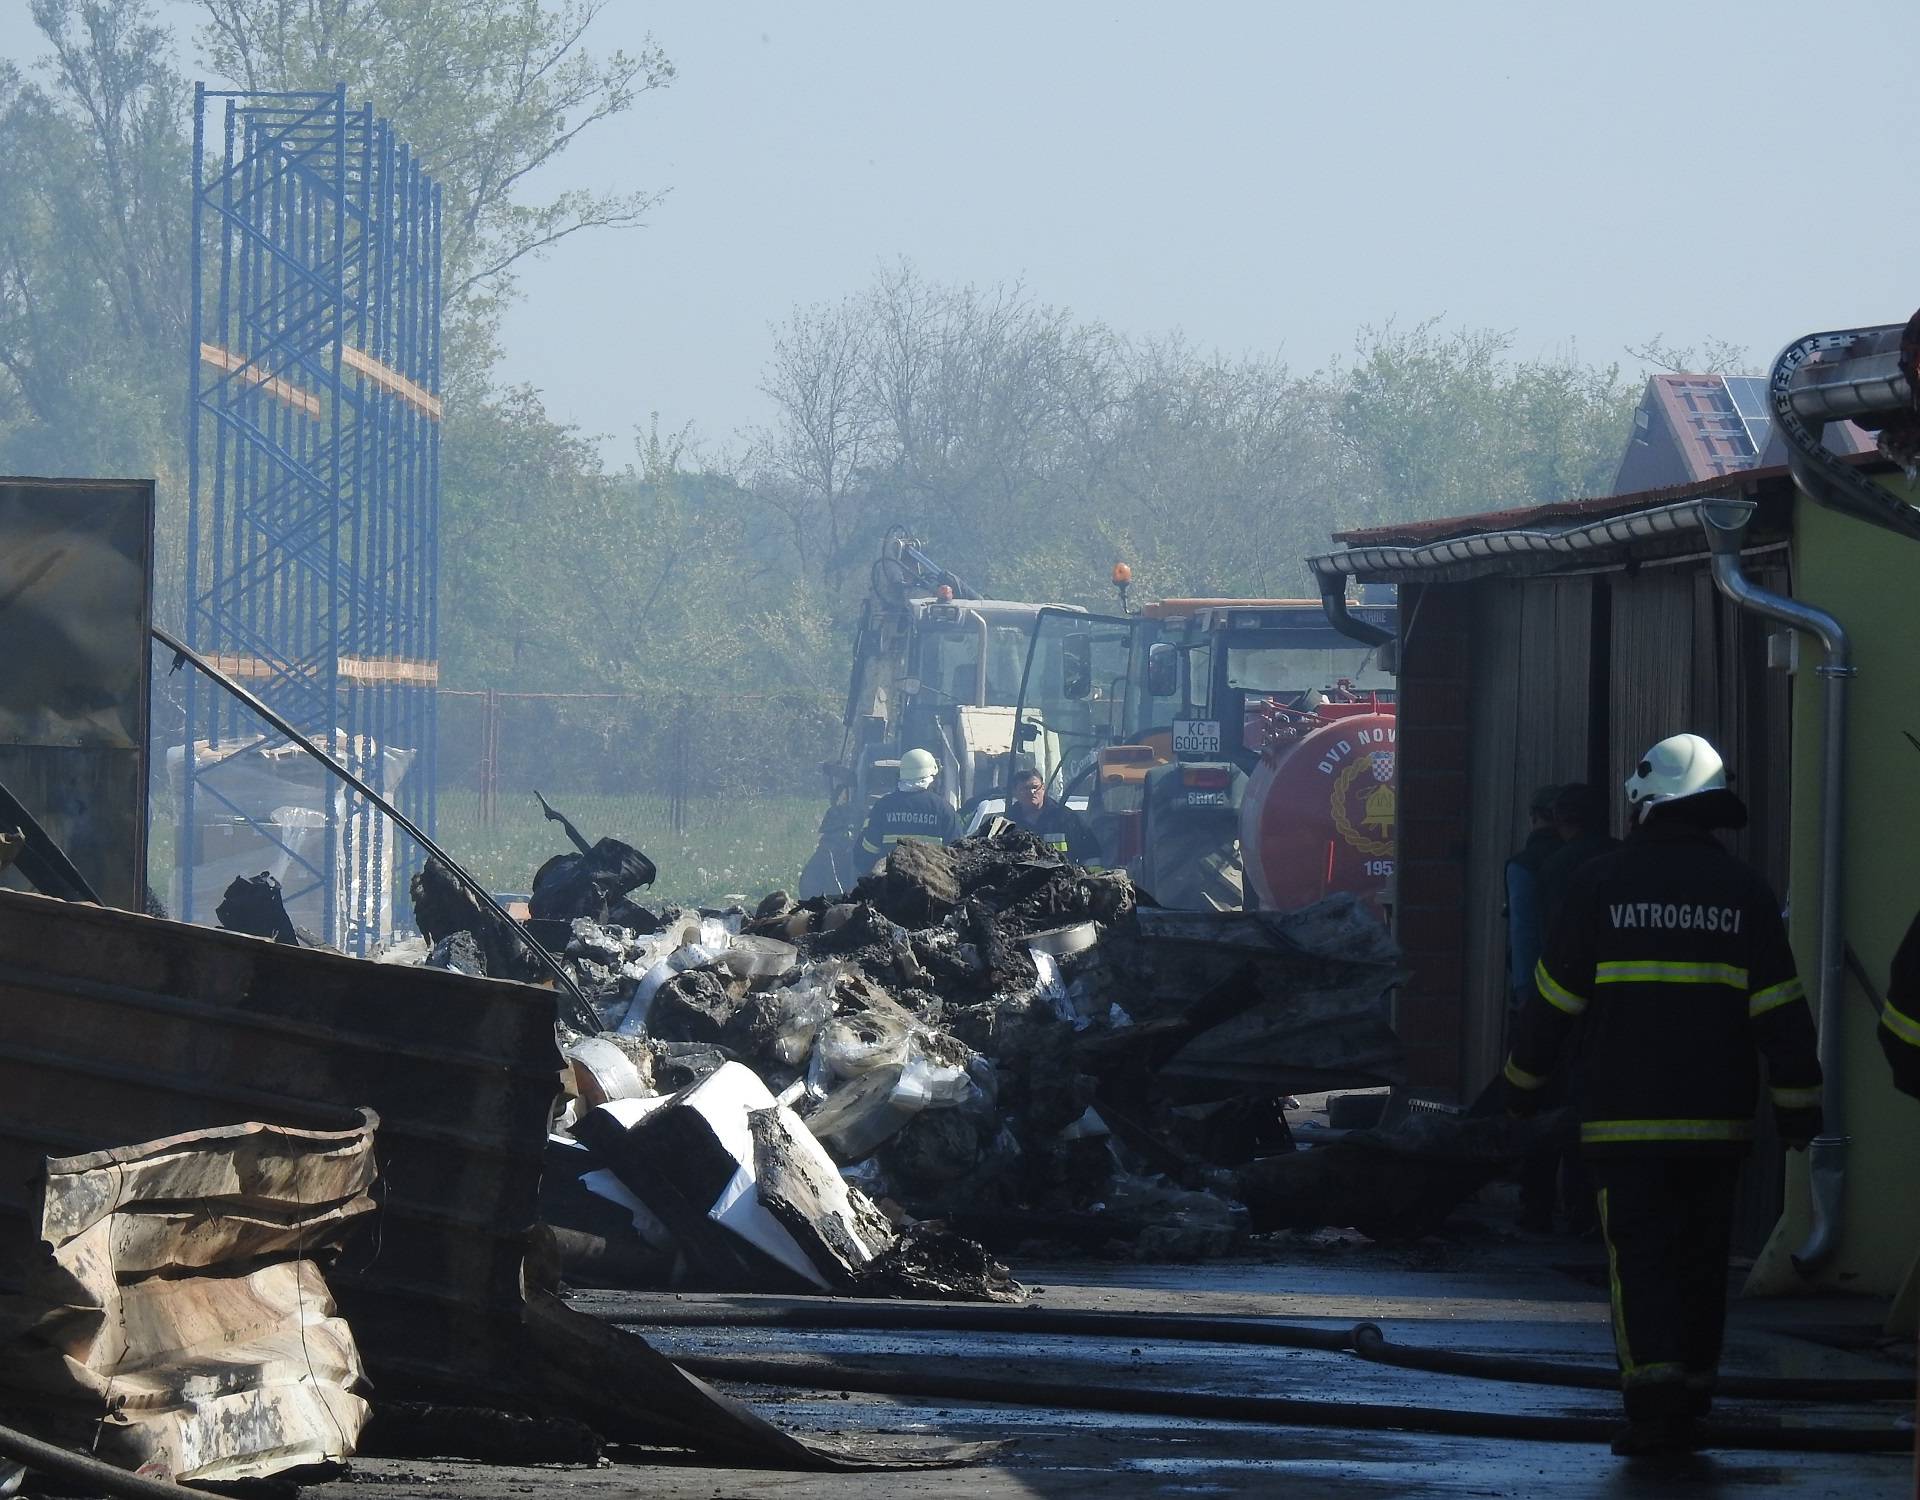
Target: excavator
x=935, y=667
x=1229, y=753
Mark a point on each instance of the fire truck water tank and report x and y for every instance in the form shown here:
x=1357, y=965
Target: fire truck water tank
x=1319, y=815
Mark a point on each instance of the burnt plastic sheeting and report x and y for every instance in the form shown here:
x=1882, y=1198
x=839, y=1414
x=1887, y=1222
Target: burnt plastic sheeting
x=255, y=906
x=592, y=884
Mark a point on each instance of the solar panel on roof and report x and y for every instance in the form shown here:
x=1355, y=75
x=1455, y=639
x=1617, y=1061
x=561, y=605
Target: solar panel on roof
x=1749, y=396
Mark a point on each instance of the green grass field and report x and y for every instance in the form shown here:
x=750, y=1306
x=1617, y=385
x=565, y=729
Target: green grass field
x=731, y=847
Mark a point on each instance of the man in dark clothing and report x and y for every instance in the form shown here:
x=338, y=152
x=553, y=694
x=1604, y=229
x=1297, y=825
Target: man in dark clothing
x=1579, y=817
x=1055, y=824
x=1900, y=1014
x=1525, y=930
x=1526, y=935
x=1673, y=956
x=912, y=810
x=1580, y=821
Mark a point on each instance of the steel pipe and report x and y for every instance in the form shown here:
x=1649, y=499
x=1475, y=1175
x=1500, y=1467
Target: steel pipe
x=1333, y=600
x=1725, y=522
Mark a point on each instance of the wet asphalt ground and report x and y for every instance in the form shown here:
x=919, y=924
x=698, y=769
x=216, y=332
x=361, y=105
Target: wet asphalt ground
x=1478, y=1288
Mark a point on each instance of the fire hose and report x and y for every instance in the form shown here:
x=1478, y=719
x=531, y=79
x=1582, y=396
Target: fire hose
x=953, y=1381
x=956, y=1379
x=85, y=1472
x=1364, y=1340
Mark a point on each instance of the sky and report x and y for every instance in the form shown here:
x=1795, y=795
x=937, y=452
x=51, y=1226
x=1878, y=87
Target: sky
x=1266, y=178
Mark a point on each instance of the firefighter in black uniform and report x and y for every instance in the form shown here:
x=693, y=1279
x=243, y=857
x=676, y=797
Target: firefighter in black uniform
x=912, y=810
x=1055, y=824
x=1900, y=1014
x=1672, y=955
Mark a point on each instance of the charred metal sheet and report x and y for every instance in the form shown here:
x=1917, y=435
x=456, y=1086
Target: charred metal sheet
x=172, y=1302
x=118, y=1027
x=75, y=599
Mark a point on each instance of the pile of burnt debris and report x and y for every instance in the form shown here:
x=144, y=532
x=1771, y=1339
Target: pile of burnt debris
x=981, y=1044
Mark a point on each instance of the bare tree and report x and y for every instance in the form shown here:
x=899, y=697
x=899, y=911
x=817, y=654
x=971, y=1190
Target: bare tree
x=815, y=458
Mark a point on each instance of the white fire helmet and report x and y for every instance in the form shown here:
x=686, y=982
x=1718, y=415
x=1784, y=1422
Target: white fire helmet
x=917, y=770
x=1683, y=765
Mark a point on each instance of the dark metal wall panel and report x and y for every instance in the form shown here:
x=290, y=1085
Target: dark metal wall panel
x=76, y=571
x=1651, y=670
x=1531, y=653
x=117, y=1028
x=1435, y=729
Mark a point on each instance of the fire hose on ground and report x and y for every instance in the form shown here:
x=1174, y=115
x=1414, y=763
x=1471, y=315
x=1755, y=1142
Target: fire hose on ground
x=955, y=1378
x=1366, y=1340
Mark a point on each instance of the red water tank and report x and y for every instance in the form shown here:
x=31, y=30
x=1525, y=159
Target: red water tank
x=1319, y=813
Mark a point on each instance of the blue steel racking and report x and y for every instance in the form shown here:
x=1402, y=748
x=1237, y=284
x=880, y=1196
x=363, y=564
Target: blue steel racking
x=313, y=451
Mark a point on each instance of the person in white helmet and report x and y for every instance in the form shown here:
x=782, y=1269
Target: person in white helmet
x=1672, y=956
x=912, y=810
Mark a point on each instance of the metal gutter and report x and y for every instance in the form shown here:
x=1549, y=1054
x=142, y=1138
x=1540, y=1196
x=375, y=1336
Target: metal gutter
x=1725, y=523
x=1492, y=552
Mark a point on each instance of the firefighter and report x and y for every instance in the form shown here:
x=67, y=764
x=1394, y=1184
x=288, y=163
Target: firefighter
x=1055, y=824
x=1675, y=954
x=1900, y=1014
x=1525, y=937
x=912, y=810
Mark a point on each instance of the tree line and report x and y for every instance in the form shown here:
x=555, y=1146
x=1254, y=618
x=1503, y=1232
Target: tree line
x=1029, y=448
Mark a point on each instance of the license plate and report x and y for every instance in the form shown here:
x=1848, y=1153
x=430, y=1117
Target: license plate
x=1196, y=736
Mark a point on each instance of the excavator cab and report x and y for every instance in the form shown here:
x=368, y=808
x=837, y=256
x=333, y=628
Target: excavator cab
x=935, y=667
x=1073, y=704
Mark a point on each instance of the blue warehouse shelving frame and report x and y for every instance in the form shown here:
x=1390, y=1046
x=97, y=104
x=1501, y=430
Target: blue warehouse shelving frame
x=313, y=453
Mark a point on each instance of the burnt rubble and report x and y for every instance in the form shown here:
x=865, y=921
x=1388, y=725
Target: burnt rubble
x=978, y=1043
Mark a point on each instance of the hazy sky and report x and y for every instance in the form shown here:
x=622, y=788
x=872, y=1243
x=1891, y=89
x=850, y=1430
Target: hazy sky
x=1265, y=177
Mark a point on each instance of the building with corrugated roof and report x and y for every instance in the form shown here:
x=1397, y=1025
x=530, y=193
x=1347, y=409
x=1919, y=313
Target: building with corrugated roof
x=1555, y=643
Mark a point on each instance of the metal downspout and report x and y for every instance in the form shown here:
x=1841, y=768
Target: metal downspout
x=1724, y=522
x=1333, y=599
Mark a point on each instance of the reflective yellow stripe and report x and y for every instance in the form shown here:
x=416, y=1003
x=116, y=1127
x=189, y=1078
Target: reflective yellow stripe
x=1614, y=1132
x=1796, y=1098
x=1520, y=1078
x=1661, y=971
x=1774, y=996
x=1616, y=1294
x=1557, y=995
x=1902, y=1026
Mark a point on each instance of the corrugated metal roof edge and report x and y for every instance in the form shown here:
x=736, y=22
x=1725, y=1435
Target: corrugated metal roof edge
x=1749, y=483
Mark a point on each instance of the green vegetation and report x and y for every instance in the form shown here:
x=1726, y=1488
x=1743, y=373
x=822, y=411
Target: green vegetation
x=732, y=846
x=1028, y=447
